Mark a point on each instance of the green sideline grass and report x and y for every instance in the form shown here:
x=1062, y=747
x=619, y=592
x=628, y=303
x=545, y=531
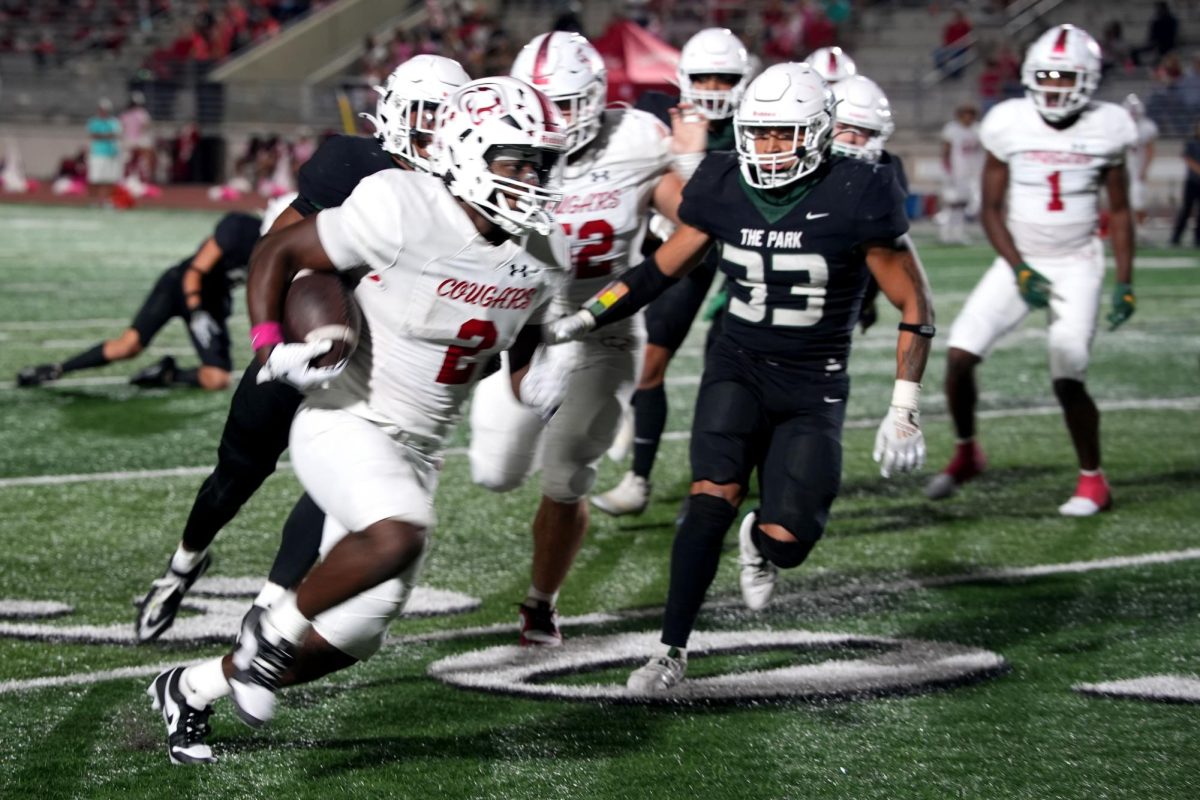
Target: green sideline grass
x=385, y=729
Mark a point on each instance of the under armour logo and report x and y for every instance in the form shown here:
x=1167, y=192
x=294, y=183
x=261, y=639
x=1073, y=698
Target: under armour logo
x=599, y=175
x=518, y=269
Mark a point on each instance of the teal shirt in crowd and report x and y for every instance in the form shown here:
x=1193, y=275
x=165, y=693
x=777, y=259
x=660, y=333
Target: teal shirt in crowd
x=105, y=147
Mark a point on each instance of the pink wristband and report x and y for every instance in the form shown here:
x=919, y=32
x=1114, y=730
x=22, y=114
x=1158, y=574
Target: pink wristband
x=266, y=334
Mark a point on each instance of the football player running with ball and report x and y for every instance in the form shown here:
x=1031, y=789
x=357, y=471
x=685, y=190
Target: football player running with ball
x=618, y=166
x=457, y=266
x=1049, y=152
x=260, y=414
x=799, y=230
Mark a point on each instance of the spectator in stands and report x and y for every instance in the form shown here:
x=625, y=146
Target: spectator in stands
x=1162, y=35
x=1115, y=51
x=991, y=83
x=138, y=138
x=955, y=44
x=818, y=30
x=104, y=156
x=1191, y=189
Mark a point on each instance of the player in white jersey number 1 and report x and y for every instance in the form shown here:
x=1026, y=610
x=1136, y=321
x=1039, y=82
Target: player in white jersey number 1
x=1050, y=152
x=453, y=267
x=618, y=166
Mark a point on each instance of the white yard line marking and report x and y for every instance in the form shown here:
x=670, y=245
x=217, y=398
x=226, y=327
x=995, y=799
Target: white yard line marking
x=1149, y=404
x=1161, y=688
x=85, y=678
x=854, y=590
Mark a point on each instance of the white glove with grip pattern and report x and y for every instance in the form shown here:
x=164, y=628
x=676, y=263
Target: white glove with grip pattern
x=545, y=383
x=203, y=327
x=292, y=364
x=569, y=328
x=899, y=444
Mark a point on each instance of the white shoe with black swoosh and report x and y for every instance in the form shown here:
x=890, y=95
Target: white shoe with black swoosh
x=187, y=727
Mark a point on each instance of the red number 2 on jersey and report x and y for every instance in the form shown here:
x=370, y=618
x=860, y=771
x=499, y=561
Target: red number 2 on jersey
x=452, y=371
x=1056, y=203
x=598, y=246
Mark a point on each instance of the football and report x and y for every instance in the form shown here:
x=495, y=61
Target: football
x=319, y=305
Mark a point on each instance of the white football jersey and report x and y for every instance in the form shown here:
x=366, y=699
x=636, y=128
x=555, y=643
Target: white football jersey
x=1054, y=175
x=1147, y=132
x=966, y=152
x=437, y=299
x=607, y=192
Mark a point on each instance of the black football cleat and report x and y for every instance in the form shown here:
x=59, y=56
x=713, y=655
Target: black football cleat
x=36, y=376
x=187, y=727
x=158, y=608
x=539, y=625
x=260, y=660
x=160, y=374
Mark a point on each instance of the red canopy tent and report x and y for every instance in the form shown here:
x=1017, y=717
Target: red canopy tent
x=637, y=61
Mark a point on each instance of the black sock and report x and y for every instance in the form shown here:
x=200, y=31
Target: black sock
x=86, y=360
x=695, y=556
x=300, y=544
x=649, y=419
x=188, y=377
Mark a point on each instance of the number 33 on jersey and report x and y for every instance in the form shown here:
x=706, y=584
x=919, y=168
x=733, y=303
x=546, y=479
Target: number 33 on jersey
x=797, y=262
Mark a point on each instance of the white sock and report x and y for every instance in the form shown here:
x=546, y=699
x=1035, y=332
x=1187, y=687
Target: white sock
x=186, y=560
x=204, y=683
x=1091, y=472
x=287, y=619
x=269, y=594
x=536, y=595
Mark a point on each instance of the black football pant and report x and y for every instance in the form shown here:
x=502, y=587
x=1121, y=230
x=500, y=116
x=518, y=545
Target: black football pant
x=753, y=413
x=255, y=436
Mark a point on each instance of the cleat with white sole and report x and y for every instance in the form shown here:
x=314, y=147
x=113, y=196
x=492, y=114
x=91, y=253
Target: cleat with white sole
x=758, y=575
x=630, y=496
x=660, y=674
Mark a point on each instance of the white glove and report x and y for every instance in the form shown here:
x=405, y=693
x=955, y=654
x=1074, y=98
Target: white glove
x=203, y=327
x=545, y=383
x=292, y=364
x=899, y=444
x=568, y=329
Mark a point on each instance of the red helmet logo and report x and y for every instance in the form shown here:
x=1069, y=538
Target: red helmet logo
x=482, y=102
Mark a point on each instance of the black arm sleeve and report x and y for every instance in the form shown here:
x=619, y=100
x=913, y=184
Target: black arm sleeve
x=521, y=352
x=636, y=289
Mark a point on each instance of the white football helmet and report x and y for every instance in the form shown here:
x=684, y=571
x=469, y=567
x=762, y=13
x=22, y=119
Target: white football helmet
x=713, y=51
x=860, y=103
x=408, y=104
x=567, y=69
x=494, y=119
x=790, y=96
x=1063, y=51
x=832, y=64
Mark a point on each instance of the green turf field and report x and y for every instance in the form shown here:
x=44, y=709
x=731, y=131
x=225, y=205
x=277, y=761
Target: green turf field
x=96, y=478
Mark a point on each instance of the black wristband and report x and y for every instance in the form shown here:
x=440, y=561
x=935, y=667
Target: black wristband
x=925, y=331
x=635, y=290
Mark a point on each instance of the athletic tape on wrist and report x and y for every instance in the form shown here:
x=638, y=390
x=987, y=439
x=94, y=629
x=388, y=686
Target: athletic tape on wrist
x=906, y=394
x=266, y=334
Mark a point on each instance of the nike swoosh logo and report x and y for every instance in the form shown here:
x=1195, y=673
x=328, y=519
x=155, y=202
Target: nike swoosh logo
x=811, y=215
x=832, y=399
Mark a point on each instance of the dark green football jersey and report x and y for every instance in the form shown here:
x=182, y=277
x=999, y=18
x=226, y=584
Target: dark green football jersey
x=796, y=260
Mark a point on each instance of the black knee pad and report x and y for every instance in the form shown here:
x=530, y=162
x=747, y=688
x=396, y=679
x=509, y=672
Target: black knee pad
x=782, y=554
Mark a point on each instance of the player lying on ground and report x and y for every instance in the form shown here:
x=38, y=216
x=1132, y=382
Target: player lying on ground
x=198, y=290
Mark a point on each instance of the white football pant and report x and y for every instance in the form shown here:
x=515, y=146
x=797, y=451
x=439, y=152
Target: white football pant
x=509, y=441
x=995, y=307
